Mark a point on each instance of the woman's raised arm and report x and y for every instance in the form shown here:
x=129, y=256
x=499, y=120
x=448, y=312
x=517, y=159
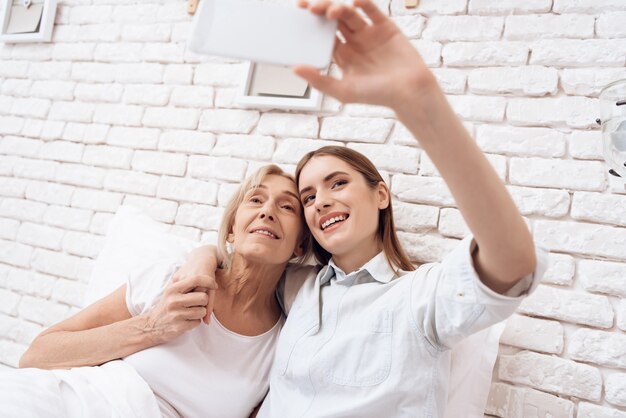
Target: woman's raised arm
x=202, y=263
x=380, y=66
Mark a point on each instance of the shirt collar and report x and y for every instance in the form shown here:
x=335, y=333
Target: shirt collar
x=377, y=267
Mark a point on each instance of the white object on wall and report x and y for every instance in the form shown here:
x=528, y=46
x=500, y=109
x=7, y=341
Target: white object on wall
x=613, y=122
x=27, y=21
x=275, y=86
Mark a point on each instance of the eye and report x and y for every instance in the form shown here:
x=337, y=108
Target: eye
x=255, y=199
x=288, y=207
x=339, y=183
x=308, y=199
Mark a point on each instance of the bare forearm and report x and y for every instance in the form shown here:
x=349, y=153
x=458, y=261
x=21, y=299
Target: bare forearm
x=506, y=251
x=91, y=347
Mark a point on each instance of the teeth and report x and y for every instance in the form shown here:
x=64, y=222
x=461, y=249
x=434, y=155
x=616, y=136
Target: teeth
x=262, y=231
x=331, y=221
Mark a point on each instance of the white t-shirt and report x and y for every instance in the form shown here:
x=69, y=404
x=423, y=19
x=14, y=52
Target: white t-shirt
x=207, y=372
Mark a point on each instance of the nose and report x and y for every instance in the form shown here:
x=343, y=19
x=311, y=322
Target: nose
x=321, y=201
x=267, y=211
x=264, y=215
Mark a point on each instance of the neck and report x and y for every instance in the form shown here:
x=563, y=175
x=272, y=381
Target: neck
x=357, y=257
x=248, y=286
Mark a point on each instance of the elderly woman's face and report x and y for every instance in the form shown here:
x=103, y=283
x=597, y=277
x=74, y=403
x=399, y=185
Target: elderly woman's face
x=268, y=223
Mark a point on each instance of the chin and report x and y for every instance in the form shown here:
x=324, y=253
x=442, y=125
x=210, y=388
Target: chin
x=261, y=256
x=334, y=248
x=334, y=243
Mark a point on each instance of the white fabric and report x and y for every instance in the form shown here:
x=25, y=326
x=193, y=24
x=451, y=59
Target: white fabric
x=207, y=372
x=471, y=366
x=138, y=251
x=113, y=390
x=167, y=410
x=370, y=344
x=133, y=240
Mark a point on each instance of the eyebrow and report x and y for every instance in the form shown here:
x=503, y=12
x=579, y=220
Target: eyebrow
x=327, y=178
x=287, y=192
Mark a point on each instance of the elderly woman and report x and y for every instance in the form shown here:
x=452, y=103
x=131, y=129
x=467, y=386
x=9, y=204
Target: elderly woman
x=144, y=351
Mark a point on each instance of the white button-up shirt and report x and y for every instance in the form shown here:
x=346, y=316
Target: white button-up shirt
x=373, y=343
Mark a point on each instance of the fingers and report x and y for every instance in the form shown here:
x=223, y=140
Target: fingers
x=346, y=15
x=342, y=54
x=195, y=291
x=371, y=10
x=193, y=314
x=320, y=7
x=190, y=283
x=323, y=83
x=194, y=299
x=210, y=301
x=346, y=32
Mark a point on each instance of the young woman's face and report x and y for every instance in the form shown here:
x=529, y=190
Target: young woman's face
x=340, y=209
x=268, y=222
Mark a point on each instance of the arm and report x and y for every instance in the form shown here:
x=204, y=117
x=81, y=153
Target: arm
x=107, y=331
x=202, y=262
x=101, y=332
x=380, y=66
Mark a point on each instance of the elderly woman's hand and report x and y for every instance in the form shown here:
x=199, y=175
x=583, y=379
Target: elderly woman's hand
x=379, y=64
x=182, y=307
x=202, y=263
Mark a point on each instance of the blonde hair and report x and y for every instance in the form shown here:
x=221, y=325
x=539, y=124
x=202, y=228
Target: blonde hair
x=230, y=211
x=396, y=257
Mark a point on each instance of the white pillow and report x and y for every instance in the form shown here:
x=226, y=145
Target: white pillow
x=133, y=240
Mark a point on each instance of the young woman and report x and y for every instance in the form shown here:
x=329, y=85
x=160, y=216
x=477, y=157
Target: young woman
x=171, y=364
x=368, y=335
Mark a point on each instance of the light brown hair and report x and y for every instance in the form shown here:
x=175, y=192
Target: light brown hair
x=396, y=257
x=228, y=219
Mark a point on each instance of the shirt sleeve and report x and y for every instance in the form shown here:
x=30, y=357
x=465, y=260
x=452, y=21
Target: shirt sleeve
x=449, y=301
x=145, y=285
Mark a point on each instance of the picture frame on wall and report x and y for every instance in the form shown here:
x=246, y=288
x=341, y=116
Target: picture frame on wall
x=277, y=87
x=27, y=20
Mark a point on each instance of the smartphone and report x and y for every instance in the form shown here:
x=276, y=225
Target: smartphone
x=263, y=32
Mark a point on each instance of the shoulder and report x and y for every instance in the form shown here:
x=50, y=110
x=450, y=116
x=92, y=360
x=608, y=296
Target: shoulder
x=145, y=284
x=295, y=277
x=426, y=271
x=302, y=272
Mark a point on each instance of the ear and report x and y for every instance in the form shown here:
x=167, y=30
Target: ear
x=382, y=194
x=230, y=238
x=299, y=250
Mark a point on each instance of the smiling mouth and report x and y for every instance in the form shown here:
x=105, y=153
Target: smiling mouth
x=334, y=220
x=266, y=232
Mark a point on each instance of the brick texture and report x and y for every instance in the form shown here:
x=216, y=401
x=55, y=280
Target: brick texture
x=116, y=111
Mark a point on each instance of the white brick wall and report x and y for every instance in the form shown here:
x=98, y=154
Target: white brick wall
x=116, y=111
x=517, y=402
x=551, y=374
